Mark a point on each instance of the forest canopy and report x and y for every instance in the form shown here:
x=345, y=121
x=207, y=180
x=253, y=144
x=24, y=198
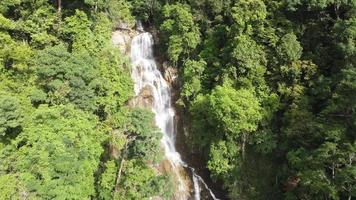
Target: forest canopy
x=266, y=87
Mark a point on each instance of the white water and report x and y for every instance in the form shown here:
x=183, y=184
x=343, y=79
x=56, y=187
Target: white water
x=145, y=73
x=199, y=178
x=196, y=187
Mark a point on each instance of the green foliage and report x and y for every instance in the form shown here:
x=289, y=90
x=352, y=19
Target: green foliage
x=222, y=158
x=58, y=146
x=249, y=59
x=120, y=10
x=114, y=87
x=236, y=111
x=39, y=25
x=77, y=29
x=313, y=4
x=147, y=136
x=268, y=88
x=145, y=9
x=108, y=180
x=140, y=182
x=67, y=77
x=64, y=125
x=4, y=5
x=11, y=116
x=15, y=55
x=289, y=48
x=247, y=14
x=182, y=35
x=272, y=80
x=6, y=23
x=9, y=187
x=192, y=76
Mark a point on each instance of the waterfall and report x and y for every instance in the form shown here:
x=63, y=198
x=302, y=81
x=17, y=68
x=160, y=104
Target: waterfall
x=146, y=74
x=196, y=187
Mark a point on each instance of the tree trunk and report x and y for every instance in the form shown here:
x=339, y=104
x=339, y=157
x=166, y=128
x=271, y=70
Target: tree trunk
x=336, y=8
x=333, y=171
x=243, y=145
x=121, y=166
x=59, y=6
x=119, y=176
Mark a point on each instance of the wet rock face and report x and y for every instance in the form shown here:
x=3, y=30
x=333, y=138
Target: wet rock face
x=170, y=74
x=156, y=198
x=122, y=39
x=123, y=25
x=144, y=99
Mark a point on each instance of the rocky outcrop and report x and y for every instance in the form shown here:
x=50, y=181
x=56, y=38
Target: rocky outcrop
x=122, y=25
x=122, y=39
x=170, y=74
x=144, y=99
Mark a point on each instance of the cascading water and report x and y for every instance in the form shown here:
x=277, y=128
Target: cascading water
x=196, y=188
x=146, y=74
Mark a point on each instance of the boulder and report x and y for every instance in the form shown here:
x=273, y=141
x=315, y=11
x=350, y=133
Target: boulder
x=156, y=198
x=144, y=99
x=123, y=25
x=170, y=74
x=122, y=40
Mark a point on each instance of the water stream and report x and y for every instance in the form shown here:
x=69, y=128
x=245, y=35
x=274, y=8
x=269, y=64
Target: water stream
x=146, y=74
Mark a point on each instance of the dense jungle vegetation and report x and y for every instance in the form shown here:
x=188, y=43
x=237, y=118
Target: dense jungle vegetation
x=268, y=88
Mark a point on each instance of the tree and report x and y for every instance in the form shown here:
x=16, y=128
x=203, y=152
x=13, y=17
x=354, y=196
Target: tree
x=77, y=30
x=222, y=158
x=289, y=48
x=146, y=143
x=140, y=182
x=146, y=10
x=247, y=14
x=311, y=5
x=192, y=76
x=67, y=78
x=4, y=5
x=65, y=132
x=247, y=61
x=114, y=86
x=225, y=114
x=11, y=116
x=181, y=34
x=56, y=155
x=108, y=180
x=10, y=188
x=38, y=21
x=236, y=111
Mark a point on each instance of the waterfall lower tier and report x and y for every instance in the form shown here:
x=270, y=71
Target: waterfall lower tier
x=146, y=74
x=196, y=188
